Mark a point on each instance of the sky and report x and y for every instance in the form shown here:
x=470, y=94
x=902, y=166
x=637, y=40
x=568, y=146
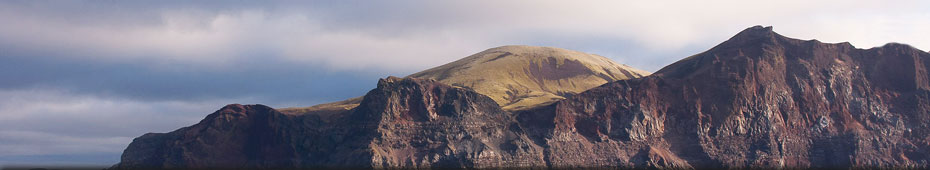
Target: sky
x=80, y=79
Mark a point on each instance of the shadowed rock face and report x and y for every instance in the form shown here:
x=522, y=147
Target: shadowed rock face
x=402, y=123
x=757, y=100
x=234, y=136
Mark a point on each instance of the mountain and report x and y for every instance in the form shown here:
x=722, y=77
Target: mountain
x=757, y=100
x=520, y=77
x=403, y=122
x=234, y=136
x=516, y=76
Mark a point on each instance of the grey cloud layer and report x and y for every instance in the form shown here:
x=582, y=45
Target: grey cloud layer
x=54, y=127
x=406, y=36
x=275, y=82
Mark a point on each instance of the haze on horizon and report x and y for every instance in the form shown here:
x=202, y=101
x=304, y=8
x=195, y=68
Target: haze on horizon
x=81, y=79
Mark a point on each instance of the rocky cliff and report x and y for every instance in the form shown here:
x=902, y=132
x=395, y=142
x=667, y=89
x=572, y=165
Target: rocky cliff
x=402, y=123
x=520, y=77
x=756, y=100
x=234, y=136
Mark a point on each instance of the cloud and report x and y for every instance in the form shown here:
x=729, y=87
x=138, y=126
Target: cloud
x=84, y=77
x=407, y=36
x=49, y=122
x=48, y=126
x=87, y=115
x=30, y=143
x=210, y=38
x=275, y=83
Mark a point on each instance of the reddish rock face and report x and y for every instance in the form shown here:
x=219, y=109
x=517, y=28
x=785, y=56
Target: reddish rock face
x=757, y=100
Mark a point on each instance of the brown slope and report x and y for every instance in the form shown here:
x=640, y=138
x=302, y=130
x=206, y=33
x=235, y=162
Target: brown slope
x=516, y=76
x=520, y=77
x=757, y=100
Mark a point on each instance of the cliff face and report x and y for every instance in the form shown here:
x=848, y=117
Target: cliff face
x=757, y=100
x=402, y=123
x=423, y=123
x=234, y=136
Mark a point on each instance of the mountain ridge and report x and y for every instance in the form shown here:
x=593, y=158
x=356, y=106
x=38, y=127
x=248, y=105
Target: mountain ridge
x=769, y=101
x=757, y=100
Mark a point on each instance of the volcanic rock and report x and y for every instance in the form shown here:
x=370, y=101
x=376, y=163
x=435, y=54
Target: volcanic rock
x=757, y=100
x=234, y=136
x=402, y=123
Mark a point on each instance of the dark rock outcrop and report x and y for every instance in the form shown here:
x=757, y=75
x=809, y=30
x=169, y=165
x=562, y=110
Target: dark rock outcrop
x=234, y=136
x=402, y=123
x=757, y=100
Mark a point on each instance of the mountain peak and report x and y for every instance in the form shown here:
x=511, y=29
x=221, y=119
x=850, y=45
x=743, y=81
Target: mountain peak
x=757, y=30
x=390, y=79
x=755, y=34
x=756, y=41
x=761, y=85
x=240, y=109
x=521, y=76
